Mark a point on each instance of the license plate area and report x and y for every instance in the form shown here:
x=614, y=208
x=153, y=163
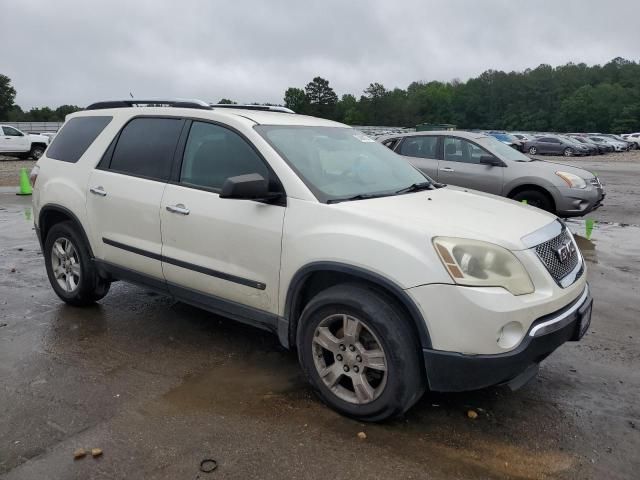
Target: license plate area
x=584, y=319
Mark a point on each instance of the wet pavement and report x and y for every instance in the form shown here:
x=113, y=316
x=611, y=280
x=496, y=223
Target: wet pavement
x=161, y=386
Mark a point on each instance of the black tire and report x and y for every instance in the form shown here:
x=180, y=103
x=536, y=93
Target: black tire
x=405, y=381
x=90, y=287
x=568, y=152
x=536, y=198
x=36, y=151
x=533, y=150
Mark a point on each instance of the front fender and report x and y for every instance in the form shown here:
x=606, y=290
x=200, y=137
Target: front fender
x=535, y=181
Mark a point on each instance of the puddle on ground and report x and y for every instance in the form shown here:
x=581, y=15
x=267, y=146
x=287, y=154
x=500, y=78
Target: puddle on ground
x=269, y=386
x=262, y=384
x=609, y=244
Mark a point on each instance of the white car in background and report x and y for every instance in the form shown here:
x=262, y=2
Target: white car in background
x=633, y=137
x=617, y=146
x=14, y=142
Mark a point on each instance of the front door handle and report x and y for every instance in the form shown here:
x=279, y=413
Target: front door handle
x=447, y=169
x=98, y=191
x=179, y=209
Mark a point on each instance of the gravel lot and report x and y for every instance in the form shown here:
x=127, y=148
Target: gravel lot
x=10, y=170
x=161, y=386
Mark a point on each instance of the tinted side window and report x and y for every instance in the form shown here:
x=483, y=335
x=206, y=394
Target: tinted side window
x=11, y=132
x=75, y=137
x=423, y=147
x=146, y=146
x=459, y=150
x=213, y=154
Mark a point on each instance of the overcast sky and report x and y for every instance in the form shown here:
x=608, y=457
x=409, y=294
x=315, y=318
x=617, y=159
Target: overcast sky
x=76, y=52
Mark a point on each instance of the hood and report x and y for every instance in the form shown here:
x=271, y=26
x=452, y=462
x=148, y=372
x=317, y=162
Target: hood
x=456, y=212
x=553, y=167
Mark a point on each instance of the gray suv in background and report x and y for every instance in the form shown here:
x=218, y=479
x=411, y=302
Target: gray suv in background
x=480, y=162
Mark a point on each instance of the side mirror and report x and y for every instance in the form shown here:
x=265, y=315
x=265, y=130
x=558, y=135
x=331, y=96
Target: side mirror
x=491, y=161
x=252, y=186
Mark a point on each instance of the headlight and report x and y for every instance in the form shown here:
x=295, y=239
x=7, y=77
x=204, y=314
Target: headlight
x=481, y=264
x=572, y=180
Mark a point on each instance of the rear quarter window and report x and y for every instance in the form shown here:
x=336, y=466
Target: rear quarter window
x=146, y=146
x=75, y=137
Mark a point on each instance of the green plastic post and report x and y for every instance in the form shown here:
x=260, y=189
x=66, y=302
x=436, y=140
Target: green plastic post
x=588, y=227
x=524, y=201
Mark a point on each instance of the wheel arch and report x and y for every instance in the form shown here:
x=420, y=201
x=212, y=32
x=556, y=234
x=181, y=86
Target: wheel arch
x=314, y=277
x=532, y=186
x=51, y=214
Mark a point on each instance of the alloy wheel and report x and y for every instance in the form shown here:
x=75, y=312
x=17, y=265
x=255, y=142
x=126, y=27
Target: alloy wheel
x=349, y=359
x=65, y=263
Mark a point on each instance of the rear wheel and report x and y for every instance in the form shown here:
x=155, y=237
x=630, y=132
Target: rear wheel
x=71, y=272
x=359, y=353
x=535, y=198
x=36, y=152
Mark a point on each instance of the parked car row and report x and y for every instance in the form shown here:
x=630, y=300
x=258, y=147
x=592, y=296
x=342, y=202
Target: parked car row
x=569, y=145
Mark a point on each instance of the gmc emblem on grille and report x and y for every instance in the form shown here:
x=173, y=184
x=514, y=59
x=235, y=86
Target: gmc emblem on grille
x=566, y=251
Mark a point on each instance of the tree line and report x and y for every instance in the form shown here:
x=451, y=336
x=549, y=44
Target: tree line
x=567, y=98
x=11, y=112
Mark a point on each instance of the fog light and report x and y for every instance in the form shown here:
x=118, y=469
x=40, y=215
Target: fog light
x=510, y=335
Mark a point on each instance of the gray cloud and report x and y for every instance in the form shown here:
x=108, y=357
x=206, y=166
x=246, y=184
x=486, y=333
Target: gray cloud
x=80, y=51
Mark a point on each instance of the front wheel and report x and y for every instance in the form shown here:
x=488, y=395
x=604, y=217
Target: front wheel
x=536, y=199
x=359, y=353
x=69, y=267
x=568, y=152
x=533, y=150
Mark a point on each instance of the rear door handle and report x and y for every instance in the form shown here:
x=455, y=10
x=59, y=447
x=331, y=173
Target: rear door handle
x=447, y=169
x=179, y=209
x=98, y=191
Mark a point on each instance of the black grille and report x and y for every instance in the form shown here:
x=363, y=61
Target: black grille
x=547, y=253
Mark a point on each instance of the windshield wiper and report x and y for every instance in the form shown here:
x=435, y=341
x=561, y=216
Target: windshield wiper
x=360, y=196
x=416, y=187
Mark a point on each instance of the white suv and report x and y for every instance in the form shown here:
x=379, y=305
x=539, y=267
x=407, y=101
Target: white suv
x=385, y=282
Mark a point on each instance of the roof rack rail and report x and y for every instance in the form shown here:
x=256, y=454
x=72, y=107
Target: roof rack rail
x=264, y=108
x=177, y=103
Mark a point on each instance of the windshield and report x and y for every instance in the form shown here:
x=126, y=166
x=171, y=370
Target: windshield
x=504, y=137
x=340, y=163
x=501, y=150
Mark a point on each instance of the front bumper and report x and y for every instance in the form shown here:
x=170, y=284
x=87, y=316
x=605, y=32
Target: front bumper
x=574, y=202
x=456, y=372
